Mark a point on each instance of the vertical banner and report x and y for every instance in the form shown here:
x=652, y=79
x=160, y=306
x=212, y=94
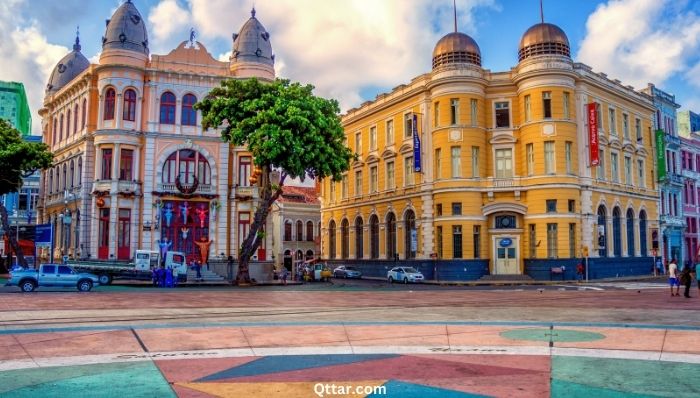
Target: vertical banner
x=593, y=134
x=416, y=145
x=660, y=155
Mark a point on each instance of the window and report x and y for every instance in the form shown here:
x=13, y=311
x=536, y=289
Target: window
x=185, y=165
x=408, y=125
x=80, y=171
x=617, y=231
x=638, y=128
x=391, y=236
x=641, y=181
x=344, y=187
x=244, y=166
x=409, y=178
x=309, y=231
x=505, y=221
x=572, y=240
x=502, y=114
x=628, y=170
x=438, y=209
x=436, y=114
x=358, y=143
x=103, y=232
x=83, y=114
x=551, y=205
x=373, y=138
x=110, y=96
x=344, y=238
x=410, y=235
x=572, y=206
x=626, y=125
x=455, y=162
x=457, y=209
x=129, y=113
x=547, y=104
x=49, y=269
x=390, y=180
x=189, y=114
x=75, y=120
x=549, y=159
x=358, y=183
x=474, y=106
x=600, y=173
x=643, y=232
x=614, y=167
x=68, y=114
x=613, y=127
x=552, y=240
x=528, y=114
x=454, y=111
x=567, y=114
x=107, y=164
x=126, y=161
x=438, y=164
x=567, y=153
x=504, y=163
x=300, y=231
x=374, y=236
x=359, y=239
x=630, y=233
x=332, y=190
x=55, y=130
x=475, y=161
x=599, y=116
x=532, y=236
x=390, y=132
x=439, y=241
x=167, y=108
x=456, y=241
x=530, y=155
x=71, y=175
x=477, y=241
x=373, y=179
x=331, y=239
x=123, y=235
x=60, y=130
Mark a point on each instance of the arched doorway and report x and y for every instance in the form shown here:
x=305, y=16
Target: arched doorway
x=331, y=240
x=391, y=236
x=643, y=232
x=602, y=232
x=309, y=254
x=617, y=232
x=411, y=235
x=359, y=238
x=344, y=238
x=630, y=233
x=374, y=236
x=288, y=259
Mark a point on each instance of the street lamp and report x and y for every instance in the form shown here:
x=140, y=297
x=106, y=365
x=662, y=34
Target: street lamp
x=66, y=216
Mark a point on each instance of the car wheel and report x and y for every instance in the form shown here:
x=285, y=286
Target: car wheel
x=85, y=285
x=391, y=279
x=405, y=280
x=27, y=286
x=105, y=279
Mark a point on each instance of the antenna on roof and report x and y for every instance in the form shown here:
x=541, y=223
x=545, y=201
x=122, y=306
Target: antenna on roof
x=541, y=12
x=454, y=4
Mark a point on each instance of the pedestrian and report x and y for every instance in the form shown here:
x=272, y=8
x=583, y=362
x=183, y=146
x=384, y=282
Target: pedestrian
x=659, y=266
x=154, y=276
x=579, y=272
x=198, y=268
x=169, y=277
x=175, y=275
x=673, y=277
x=161, y=276
x=686, y=280
x=284, y=275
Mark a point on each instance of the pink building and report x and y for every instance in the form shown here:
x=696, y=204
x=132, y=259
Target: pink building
x=690, y=166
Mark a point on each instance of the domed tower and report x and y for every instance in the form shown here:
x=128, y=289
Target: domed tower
x=252, y=51
x=67, y=68
x=543, y=39
x=125, y=40
x=456, y=48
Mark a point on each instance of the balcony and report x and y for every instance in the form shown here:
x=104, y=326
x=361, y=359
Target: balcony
x=172, y=188
x=244, y=193
x=672, y=221
x=129, y=187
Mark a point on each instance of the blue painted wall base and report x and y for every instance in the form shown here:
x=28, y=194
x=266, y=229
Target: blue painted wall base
x=441, y=270
x=598, y=268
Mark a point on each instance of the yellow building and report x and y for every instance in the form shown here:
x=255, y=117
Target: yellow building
x=504, y=185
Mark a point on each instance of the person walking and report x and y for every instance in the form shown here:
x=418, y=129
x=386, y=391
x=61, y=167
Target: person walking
x=198, y=268
x=673, y=277
x=284, y=275
x=579, y=272
x=686, y=280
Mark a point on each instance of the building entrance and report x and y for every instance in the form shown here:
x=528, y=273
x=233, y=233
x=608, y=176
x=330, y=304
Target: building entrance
x=183, y=223
x=506, y=255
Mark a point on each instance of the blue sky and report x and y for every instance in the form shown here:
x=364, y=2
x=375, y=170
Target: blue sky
x=353, y=49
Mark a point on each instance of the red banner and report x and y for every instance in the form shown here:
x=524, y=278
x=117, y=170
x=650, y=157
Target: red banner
x=593, y=134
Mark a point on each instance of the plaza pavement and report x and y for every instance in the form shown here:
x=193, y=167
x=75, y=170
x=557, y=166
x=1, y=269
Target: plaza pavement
x=276, y=343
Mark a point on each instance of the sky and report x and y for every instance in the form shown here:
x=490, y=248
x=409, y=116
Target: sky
x=352, y=50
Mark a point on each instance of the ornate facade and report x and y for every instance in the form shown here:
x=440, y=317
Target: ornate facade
x=504, y=183
x=133, y=166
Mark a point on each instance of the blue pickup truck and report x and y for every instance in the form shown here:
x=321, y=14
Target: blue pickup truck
x=51, y=275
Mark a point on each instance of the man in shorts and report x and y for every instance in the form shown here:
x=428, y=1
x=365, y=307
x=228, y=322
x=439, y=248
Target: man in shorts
x=673, y=277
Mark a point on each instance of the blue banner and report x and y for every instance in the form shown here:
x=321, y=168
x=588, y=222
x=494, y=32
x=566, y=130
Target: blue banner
x=43, y=241
x=416, y=145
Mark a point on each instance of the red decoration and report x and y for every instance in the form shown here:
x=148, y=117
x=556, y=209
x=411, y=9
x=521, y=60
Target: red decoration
x=186, y=190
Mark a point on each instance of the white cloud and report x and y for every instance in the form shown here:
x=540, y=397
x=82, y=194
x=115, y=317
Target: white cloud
x=640, y=41
x=32, y=56
x=170, y=24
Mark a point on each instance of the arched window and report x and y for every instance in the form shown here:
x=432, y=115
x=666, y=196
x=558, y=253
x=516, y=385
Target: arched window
x=344, y=238
x=617, y=232
x=63, y=178
x=55, y=130
x=309, y=231
x=331, y=240
x=80, y=171
x=643, y=232
x=390, y=236
x=167, y=108
x=309, y=254
x=50, y=187
x=374, y=236
x=359, y=238
x=60, y=129
x=602, y=232
x=287, y=230
x=630, y=232
x=300, y=231
x=84, y=114
x=300, y=255
x=68, y=123
x=184, y=164
x=71, y=175
x=189, y=114
x=129, y=113
x=110, y=97
x=75, y=120
x=411, y=241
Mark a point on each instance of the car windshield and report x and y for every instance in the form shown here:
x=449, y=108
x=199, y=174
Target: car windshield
x=351, y=268
x=411, y=270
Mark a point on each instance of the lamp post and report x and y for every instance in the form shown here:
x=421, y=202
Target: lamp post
x=66, y=222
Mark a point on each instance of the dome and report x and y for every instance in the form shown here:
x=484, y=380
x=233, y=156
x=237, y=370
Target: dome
x=252, y=44
x=126, y=30
x=456, y=48
x=543, y=39
x=68, y=68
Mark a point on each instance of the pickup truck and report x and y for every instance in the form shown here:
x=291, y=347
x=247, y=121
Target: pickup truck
x=141, y=269
x=51, y=275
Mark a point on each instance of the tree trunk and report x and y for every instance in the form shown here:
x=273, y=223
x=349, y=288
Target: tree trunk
x=11, y=236
x=252, y=241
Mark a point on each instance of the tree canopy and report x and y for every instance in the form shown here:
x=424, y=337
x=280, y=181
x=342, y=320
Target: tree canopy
x=283, y=125
x=19, y=158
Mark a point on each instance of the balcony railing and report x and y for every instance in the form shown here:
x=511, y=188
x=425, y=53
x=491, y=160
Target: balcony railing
x=244, y=192
x=171, y=187
x=503, y=183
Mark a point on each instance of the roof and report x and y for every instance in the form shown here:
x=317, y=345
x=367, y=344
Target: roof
x=293, y=194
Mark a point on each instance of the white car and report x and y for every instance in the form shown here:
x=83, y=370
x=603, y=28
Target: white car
x=405, y=275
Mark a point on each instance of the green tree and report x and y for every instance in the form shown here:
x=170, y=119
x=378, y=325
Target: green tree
x=18, y=159
x=287, y=129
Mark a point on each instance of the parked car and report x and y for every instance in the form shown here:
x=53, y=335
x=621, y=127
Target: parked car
x=321, y=272
x=344, y=271
x=52, y=275
x=405, y=274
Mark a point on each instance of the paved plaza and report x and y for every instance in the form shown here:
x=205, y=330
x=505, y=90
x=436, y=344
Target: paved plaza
x=386, y=341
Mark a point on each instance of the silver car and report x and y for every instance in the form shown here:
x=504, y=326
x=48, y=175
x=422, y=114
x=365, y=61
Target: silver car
x=405, y=275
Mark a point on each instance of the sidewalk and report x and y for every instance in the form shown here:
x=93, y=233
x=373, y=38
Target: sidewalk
x=506, y=282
